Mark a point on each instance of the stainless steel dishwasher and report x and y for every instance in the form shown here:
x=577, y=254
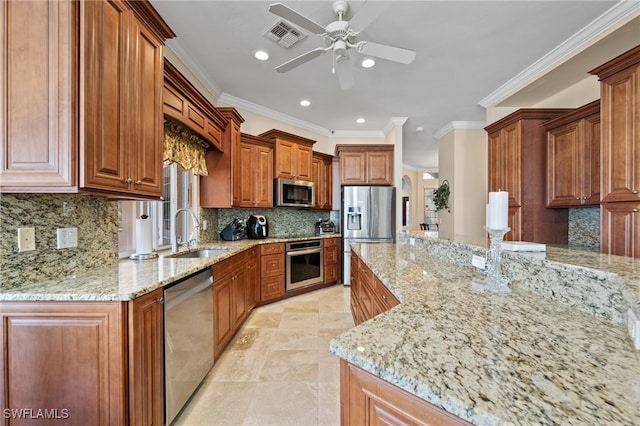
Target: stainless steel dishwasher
x=188, y=345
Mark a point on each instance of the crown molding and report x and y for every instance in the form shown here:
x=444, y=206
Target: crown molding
x=393, y=123
x=457, y=125
x=358, y=134
x=177, y=50
x=573, y=45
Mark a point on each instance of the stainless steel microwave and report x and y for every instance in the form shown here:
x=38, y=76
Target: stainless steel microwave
x=293, y=193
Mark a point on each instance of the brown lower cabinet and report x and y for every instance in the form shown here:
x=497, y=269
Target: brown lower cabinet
x=272, y=269
x=71, y=357
x=369, y=297
x=331, y=253
x=368, y=400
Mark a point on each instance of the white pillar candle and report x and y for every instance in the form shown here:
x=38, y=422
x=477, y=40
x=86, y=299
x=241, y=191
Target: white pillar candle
x=498, y=210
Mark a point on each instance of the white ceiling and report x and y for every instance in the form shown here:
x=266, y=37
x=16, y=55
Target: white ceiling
x=466, y=51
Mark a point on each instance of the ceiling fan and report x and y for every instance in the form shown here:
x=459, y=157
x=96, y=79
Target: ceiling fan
x=339, y=37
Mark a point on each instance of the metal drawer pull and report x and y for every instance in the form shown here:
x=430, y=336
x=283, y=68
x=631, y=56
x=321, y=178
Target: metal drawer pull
x=385, y=297
x=128, y=180
x=584, y=198
x=138, y=182
x=577, y=198
x=634, y=210
x=635, y=191
x=161, y=300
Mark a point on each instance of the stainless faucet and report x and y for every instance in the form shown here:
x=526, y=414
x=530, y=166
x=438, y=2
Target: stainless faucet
x=176, y=239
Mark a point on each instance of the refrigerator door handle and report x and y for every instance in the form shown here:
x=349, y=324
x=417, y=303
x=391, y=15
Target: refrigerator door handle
x=371, y=214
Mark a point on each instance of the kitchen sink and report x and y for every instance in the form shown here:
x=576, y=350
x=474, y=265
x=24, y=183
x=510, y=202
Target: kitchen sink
x=200, y=253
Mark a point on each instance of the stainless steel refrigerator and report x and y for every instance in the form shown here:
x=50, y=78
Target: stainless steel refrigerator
x=368, y=215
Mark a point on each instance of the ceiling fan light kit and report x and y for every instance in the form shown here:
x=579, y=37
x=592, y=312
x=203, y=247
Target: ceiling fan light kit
x=339, y=38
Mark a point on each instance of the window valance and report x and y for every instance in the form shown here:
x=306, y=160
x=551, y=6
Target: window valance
x=184, y=147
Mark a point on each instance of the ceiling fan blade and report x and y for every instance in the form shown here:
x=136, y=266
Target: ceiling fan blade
x=294, y=17
x=299, y=60
x=345, y=72
x=392, y=53
x=367, y=13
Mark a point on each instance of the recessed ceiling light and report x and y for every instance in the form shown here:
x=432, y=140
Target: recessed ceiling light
x=305, y=103
x=360, y=120
x=368, y=63
x=261, y=55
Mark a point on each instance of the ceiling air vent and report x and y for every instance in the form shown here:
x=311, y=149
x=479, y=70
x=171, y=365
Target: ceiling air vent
x=284, y=34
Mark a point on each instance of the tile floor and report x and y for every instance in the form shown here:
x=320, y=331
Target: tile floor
x=278, y=370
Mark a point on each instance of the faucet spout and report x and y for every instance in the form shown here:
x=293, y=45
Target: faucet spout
x=196, y=225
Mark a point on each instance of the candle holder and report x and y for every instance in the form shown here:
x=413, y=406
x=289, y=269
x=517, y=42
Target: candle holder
x=494, y=281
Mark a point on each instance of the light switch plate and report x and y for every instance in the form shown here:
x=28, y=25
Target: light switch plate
x=67, y=237
x=26, y=239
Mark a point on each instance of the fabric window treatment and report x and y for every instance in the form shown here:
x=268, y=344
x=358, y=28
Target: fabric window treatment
x=184, y=147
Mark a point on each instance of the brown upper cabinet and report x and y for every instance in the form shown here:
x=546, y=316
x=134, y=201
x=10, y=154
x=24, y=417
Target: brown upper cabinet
x=573, y=158
x=365, y=164
x=517, y=154
x=322, y=172
x=85, y=108
x=620, y=115
x=620, y=160
x=185, y=104
x=255, y=177
x=292, y=155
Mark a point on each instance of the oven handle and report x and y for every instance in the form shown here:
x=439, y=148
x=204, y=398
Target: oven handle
x=307, y=251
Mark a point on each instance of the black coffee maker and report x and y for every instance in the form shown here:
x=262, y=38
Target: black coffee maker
x=257, y=227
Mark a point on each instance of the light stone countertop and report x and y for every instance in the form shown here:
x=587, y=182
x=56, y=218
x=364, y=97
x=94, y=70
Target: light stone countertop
x=492, y=359
x=131, y=279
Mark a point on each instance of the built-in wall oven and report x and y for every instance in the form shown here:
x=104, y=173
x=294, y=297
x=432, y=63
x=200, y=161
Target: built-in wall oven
x=304, y=264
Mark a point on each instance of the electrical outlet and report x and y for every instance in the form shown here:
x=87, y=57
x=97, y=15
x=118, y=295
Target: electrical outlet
x=478, y=261
x=67, y=237
x=26, y=239
x=412, y=241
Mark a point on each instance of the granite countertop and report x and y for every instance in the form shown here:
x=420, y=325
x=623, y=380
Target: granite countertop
x=131, y=279
x=492, y=359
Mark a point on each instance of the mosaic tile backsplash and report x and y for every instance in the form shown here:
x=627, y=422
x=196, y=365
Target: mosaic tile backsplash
x=96, y=220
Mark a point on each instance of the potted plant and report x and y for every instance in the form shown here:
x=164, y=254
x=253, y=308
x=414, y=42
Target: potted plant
x=441, y=196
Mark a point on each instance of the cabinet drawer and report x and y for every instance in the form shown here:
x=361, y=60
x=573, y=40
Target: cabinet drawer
x=224, y=268
x=330, y=273
x=330, y=254
x=330, y=242
x=385, y=297
x=272, y=265
x=272, y=248
x=272, y=287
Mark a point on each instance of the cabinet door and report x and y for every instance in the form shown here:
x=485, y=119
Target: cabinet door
x=620, y=229
x=68, y=356
x=223, y=325
x=326, y=189
x=620, y=113
x=239, y=290
x=285, y=159
x=591, y=163
x=105, y=86
x=317, y=180
x=302, y=163
x=146, y=359
x=245, y=176
x=38, y=85
x=353, y=168
x=368, y=400
x=379, y=168
x=263, y=177
x=564, y=166
x=505, y=162
x=146, y=110
x=253, y=280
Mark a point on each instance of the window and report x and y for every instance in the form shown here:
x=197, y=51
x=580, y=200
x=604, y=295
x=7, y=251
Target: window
x=180, y=191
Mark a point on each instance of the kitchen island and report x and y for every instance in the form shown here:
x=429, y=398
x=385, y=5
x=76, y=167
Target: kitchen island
x=534, y=356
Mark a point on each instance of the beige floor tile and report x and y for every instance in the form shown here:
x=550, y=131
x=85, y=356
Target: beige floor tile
x=283, y=404
x=216, y=403
x=278, y=370
x=290, y=366
x=299, y=321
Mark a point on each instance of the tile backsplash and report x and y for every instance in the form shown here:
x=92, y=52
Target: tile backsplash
x=584, y=228
x=95, y=217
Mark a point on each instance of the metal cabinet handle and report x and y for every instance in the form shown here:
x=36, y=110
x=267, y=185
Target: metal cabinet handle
x=138, y=182
x=128, y=180
x=161, y=300
x=635, y=191
x=577, y=198
x=385, y=297
x=634, y=210
x=584, y=198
